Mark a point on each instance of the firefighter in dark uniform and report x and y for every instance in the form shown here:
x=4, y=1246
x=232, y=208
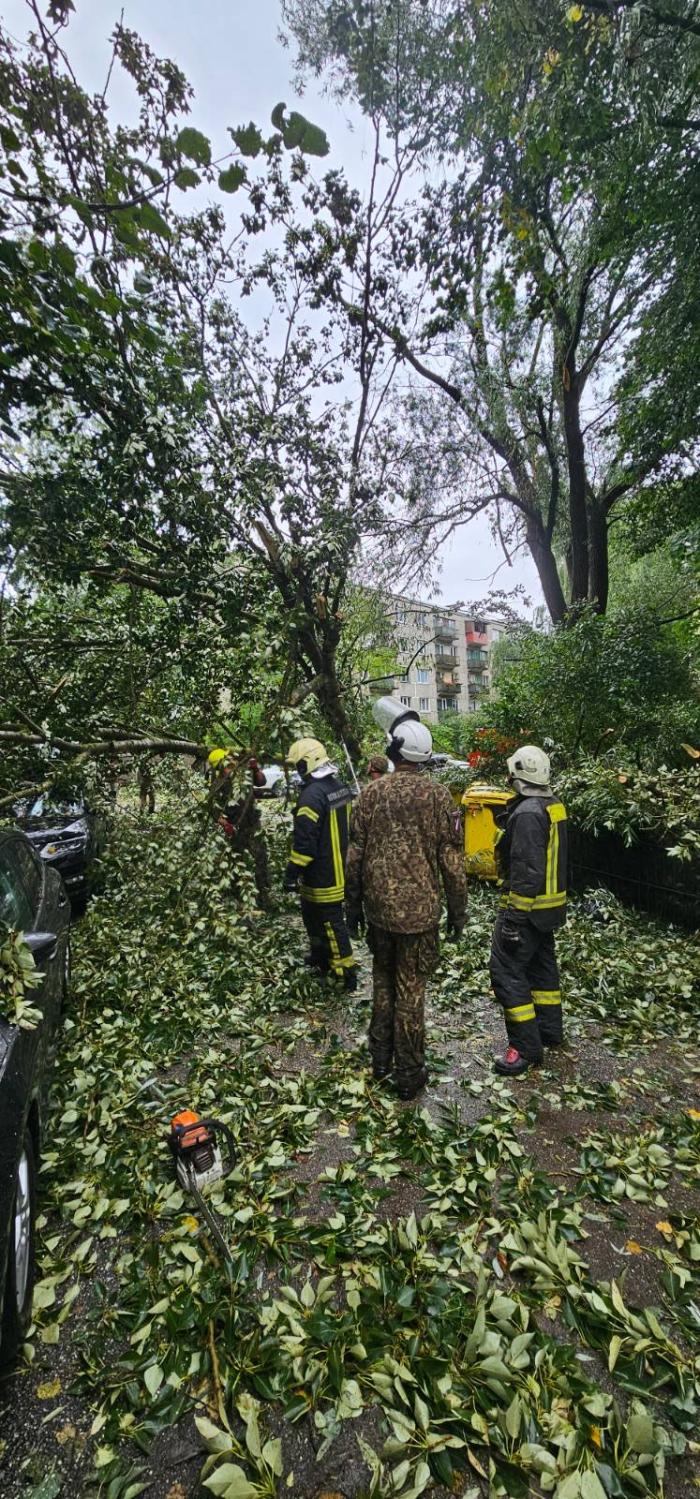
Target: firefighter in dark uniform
x=317, y=859
x=532, y=859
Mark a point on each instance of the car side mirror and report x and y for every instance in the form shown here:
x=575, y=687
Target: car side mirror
x=42, y=945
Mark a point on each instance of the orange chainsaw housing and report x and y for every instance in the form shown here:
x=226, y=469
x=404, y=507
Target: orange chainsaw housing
x=188, y=1129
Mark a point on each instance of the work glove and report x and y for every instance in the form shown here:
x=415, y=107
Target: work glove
x=289, y=882
x=454, y=929
x=355, y=919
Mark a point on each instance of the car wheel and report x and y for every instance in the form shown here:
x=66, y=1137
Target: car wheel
x=19, y=1283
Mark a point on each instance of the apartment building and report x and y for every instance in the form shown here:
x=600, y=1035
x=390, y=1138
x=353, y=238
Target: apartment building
x=446, y=657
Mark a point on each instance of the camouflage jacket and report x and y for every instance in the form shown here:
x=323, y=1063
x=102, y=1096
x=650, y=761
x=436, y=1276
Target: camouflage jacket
x=405, y=833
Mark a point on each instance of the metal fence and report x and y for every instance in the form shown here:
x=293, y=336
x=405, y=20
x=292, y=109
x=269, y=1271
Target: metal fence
x=643, y=875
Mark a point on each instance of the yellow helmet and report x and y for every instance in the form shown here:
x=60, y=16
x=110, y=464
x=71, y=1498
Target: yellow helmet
x=216, y=757
x=309, y=753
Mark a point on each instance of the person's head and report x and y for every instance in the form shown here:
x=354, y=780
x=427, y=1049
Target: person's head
x=221, y=761
x=409, y=742
x=306, y=756
x=377, y=766
x=410, y=745
x=529, y=770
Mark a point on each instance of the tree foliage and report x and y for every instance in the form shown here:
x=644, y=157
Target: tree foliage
x=345, y=1310
x=620, y=685
x=157, y=442
x=523, y=283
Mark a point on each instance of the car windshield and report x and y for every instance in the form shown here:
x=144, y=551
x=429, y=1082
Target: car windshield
x=43, y=807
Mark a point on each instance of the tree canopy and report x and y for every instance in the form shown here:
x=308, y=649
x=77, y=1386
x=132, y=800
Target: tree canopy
x=235, y=390
x=538, y=243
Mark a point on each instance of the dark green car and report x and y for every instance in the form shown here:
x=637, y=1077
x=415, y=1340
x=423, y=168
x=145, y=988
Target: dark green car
x=33, y=901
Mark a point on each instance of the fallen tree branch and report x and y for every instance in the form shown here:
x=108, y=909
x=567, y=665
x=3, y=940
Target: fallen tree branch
x=115, y=745
x=23, y=793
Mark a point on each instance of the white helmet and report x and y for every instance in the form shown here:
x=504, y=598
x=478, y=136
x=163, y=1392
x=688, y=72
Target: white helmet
x=414, y=742
x=530, y=764
x=404, y=731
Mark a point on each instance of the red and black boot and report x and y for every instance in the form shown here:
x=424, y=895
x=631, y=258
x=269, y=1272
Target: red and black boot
x=511, y=1064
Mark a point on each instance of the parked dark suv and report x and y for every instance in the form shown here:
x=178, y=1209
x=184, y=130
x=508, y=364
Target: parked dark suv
x=33, y=900
x=68, y=836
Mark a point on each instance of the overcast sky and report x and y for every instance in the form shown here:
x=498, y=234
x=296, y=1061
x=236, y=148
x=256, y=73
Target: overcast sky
x=230, y=52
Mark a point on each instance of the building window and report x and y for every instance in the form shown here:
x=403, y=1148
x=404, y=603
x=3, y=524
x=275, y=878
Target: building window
x=444, y=705
x=424, y=704
x=480, y=626
x=422, y=674
x=406, y=702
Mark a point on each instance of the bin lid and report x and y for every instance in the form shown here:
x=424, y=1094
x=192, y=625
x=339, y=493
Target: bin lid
x=476, y=794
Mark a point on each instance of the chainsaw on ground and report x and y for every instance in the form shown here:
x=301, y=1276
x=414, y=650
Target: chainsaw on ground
x=196, y=1147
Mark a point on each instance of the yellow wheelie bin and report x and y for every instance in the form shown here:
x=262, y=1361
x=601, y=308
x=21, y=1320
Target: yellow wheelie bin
x=480, y=802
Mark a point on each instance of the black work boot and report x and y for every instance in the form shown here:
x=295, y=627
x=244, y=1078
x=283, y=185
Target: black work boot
x=511, y=1064
x=410, y=1087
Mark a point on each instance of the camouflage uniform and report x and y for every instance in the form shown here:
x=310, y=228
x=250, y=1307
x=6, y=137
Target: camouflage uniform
x=405, y=834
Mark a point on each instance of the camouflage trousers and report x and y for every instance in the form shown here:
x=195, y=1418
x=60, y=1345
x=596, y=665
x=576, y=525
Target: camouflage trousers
x=401, y=965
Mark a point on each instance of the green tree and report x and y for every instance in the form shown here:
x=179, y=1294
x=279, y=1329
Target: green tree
x=520, y=287
x=623, y=685
x=155, y=440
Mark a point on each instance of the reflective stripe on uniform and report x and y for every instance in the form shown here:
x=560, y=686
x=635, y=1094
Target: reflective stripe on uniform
x=546, y=996
x=335, y=845
x=552, y=860
x=521, y=1012
x=322, y=896
x=301, y=859
x=514, y=902
x=307, y=812
x=337, y=962
x=556, y=814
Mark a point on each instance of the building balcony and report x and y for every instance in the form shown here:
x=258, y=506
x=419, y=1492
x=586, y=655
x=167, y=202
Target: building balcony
x=445, y=659
x=477, y=637
x=448, y=686
x=444, y=628
x=478, y=687
x=477, y=660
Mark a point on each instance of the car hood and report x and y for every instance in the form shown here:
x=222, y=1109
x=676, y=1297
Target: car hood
x=45, y=826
